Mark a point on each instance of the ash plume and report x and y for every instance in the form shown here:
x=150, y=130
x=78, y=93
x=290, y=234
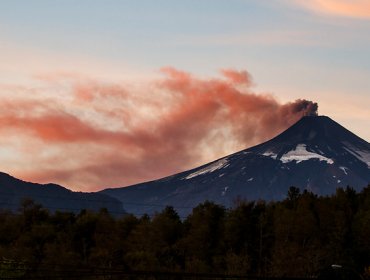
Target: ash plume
x=103, y=134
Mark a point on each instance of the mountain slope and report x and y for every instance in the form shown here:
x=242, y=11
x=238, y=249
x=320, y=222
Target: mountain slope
x=52, y=197
x=316, y=154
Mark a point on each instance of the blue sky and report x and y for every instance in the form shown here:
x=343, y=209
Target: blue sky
x=279, y=42
x=317, y=51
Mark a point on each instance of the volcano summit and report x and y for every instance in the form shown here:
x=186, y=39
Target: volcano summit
x=316, y=154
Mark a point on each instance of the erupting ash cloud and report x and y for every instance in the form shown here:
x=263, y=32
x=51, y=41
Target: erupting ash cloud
x=218, y=103
x=308, y=108
x=100, y=134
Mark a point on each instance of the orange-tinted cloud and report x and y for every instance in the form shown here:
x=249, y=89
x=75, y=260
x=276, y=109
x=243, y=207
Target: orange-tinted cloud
x=348, y=8
x=237, y=77
x=100, y=134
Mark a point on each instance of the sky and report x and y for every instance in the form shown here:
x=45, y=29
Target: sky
x=97, y=94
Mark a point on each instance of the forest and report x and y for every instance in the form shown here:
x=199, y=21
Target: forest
x=297, y=237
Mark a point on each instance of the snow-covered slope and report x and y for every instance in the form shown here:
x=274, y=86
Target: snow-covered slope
x=316, y=154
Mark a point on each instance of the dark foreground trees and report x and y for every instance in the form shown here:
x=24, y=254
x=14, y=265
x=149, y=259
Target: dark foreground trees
x=297, y=237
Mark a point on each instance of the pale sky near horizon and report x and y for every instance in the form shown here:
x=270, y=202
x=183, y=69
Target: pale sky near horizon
x=96, y=66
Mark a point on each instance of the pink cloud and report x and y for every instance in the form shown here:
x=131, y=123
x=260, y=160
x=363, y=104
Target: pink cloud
x=100, y=136
x=348, y=8
x=237, y=77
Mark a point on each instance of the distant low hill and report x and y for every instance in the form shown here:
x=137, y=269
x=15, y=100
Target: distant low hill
x=52, y=197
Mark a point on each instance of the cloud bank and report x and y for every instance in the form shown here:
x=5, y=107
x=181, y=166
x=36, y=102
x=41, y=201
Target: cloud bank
x=88, y=134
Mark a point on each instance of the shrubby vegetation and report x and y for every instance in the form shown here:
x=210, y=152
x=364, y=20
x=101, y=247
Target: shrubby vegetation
x=296, y=237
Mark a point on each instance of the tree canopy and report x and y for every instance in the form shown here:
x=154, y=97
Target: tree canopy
x=297, y=237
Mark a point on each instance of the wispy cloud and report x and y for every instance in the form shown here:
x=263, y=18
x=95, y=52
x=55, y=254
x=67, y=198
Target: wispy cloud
x=261, y=38
x=346, y=8
x=20, y=62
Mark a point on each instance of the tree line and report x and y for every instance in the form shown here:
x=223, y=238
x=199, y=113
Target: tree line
x=297, y=237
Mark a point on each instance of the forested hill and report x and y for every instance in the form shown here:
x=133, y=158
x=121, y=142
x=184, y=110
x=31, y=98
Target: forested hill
x=296, y=237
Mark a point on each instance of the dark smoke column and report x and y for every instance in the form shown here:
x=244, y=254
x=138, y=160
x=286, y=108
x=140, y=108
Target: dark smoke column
x=308, y=108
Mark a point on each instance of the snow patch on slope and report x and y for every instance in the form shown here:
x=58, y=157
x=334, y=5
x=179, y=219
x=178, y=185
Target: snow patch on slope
x=222, y=163
x=270, y=154
x=344, y=169
x=361, y=155
x=301, y=154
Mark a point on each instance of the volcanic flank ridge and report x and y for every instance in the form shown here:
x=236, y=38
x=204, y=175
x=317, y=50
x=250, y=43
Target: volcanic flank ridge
x=316, y=154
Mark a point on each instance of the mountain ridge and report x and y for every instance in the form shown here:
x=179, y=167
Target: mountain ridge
x=316, y=153
x=52, y=197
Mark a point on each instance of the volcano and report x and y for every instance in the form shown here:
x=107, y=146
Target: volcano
x=316, y=154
